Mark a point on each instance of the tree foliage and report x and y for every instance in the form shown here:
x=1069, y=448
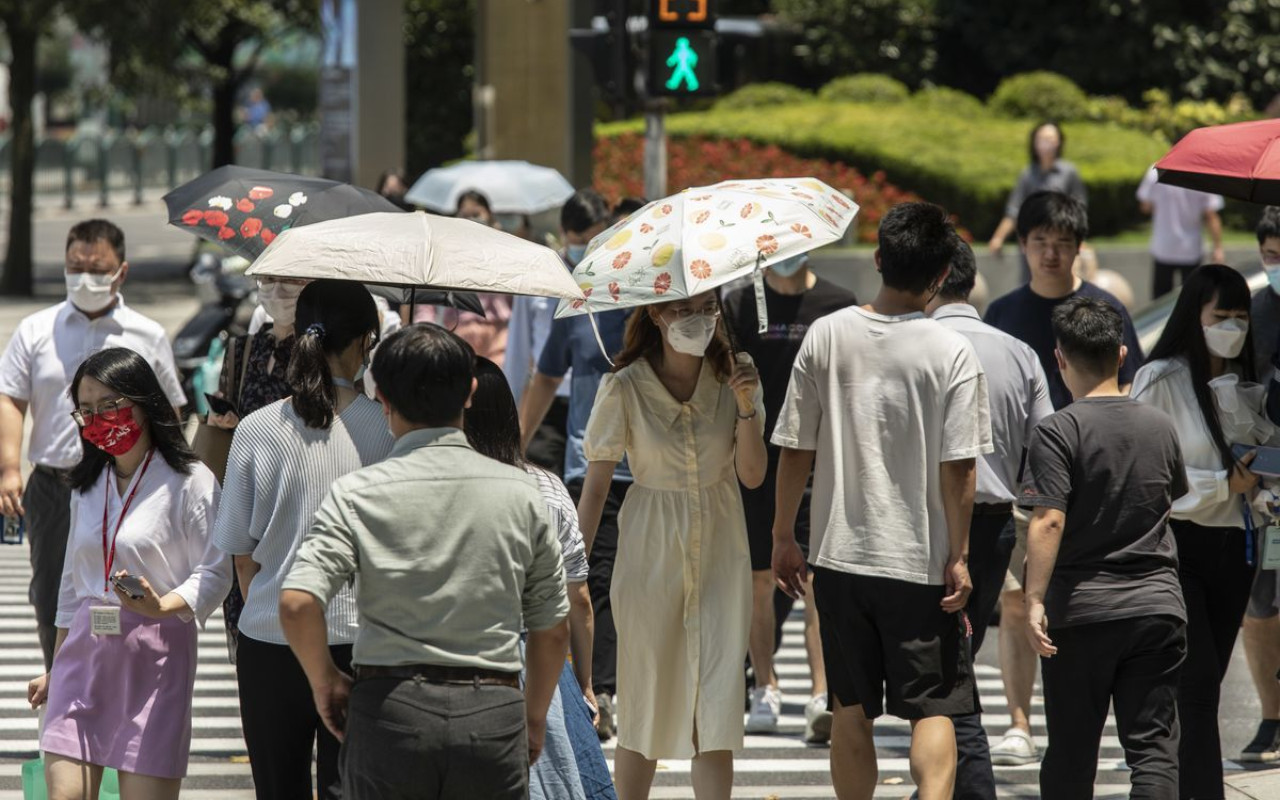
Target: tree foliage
x=893, y=37
x=439, y=41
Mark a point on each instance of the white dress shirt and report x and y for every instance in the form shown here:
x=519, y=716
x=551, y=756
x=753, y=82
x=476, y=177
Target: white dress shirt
x=166, y=538
x=42, y=358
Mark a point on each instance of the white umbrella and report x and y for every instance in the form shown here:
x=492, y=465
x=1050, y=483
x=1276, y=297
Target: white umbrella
x=418, y=250
x=511, y=187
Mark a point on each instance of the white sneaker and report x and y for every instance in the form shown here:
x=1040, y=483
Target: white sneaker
x=817, y=721
x=1016, y=749
x=766, y=705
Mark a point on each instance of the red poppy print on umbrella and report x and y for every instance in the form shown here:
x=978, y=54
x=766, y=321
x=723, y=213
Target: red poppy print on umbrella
x=244, y=205
x=268, y=236
x=662, y=283
x=250, y=227
x=700, y=269
x=260, y=192
x=193, y=217
x=216, y=219
x=225, y=233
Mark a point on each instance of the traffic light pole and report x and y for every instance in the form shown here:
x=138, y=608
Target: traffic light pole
x=655, y=150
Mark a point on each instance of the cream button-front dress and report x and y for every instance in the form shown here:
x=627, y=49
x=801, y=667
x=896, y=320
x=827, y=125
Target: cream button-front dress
x=681, y=589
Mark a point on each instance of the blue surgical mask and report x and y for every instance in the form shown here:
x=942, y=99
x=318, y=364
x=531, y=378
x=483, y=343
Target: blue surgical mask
x=574, y=253
x=789, y=266
x=1273, y=276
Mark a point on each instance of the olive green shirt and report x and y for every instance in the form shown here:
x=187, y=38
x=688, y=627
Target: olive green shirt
x=453, y=551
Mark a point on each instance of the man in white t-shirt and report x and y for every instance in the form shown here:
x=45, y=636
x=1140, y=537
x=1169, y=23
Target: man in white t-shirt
x=893, y=407
x=35, y=372
x=1178, y=219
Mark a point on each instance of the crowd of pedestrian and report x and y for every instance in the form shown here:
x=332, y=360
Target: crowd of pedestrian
x=454, y=562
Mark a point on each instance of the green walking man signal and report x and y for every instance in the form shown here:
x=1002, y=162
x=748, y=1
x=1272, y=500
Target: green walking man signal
x=683, y=61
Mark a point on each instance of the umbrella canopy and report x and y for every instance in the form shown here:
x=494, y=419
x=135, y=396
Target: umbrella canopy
x=418, y=250
x=1240, y=160
x=244, y=209
x=511, y=187
x=706, y=237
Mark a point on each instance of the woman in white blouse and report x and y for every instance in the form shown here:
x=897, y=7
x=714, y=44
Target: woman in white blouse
x=1202, y=373
x=140, y=571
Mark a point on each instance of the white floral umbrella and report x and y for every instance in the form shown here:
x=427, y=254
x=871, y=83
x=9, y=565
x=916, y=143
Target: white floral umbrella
x=705, y=237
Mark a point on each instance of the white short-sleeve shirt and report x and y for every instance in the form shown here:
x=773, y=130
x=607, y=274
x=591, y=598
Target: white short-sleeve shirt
x=883, y=401
x=1177, y=219
x=42, y=358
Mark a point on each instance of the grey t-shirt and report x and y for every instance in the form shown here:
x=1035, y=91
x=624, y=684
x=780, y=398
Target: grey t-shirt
x=1114, y=467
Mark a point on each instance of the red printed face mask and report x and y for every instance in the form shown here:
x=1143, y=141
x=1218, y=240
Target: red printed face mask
x=116, y=437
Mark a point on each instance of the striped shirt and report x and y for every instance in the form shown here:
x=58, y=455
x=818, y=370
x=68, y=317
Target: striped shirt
x=564, y=518
x=278, y=473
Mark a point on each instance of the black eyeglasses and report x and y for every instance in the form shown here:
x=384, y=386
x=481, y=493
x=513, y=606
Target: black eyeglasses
x=109, y=411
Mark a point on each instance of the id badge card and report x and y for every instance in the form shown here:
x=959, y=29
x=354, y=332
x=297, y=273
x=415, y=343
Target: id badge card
x=105, y=620
x=1271, y=548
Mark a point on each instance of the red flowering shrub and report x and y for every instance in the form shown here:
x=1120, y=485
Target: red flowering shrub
x=701, y=161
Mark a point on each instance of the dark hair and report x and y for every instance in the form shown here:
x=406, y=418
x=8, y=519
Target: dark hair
x=129, y=375
x=964, y=272
x=93, y=230
x=1055, y=211
x=626, y=207
x=1031, y=142
x=474, y=197
x=916, y=244
x=1268, y=225
x=425, y=372
x=1089, y=334
x=584, y=210
x=1183, y=338
x=492, y=423
x=643, y=339
x=386, y=176
x=331, y=315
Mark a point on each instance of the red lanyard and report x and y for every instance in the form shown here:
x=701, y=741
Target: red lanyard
x=109, y=556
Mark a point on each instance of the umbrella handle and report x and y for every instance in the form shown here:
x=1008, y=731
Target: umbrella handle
x=730, y=333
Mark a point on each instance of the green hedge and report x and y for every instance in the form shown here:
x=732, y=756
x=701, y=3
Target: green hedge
x=965, y=162
x=865, y=88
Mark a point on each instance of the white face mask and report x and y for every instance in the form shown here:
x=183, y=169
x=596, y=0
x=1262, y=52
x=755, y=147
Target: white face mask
x=280, y=301
x=1273, y=276
x=1226, y=339
x=691, y=336
x=91, y=292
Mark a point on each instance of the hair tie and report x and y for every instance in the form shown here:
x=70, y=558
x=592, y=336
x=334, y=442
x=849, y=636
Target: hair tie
x=315, y=329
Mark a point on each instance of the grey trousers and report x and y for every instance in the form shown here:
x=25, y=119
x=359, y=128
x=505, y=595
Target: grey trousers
x=47, y=501
x=410, y=739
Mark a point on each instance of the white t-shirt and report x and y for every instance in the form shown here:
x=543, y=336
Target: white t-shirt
x=42, y=358
x=1177, y=219
x=165, y=538
x=884, y=401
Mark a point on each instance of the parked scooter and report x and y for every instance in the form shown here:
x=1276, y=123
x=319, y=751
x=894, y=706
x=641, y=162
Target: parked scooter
x=228, y=299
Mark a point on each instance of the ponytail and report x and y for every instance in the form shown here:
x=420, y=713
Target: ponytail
x=331, y=315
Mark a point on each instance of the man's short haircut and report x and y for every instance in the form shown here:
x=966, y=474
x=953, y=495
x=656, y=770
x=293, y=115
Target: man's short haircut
x=916, y=246
x=964, y=272
x=1269, y=225
x=93, y=230
x=1055, y=211
x=1090, y=333
x=425, y=373
x=584, y=210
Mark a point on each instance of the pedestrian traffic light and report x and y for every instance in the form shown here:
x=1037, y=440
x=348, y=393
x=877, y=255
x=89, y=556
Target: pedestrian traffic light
x=682, y=48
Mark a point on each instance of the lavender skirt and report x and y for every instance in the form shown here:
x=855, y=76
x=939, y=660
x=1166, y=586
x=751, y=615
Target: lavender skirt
x=124, y=701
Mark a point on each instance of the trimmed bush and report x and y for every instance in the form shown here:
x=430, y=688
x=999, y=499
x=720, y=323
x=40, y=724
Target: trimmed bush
x=1040, y=95
x=865, y=88
x=763, y=95
x=946, y=99
x=966, y=163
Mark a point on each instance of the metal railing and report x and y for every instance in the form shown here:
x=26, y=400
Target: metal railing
x=120, y=166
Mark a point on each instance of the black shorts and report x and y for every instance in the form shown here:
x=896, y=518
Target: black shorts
x=885, y=638
x=759, y=505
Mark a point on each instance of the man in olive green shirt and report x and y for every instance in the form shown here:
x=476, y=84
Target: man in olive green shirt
x=455, y=555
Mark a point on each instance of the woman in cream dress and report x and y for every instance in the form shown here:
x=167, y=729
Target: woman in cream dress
x=689, y=417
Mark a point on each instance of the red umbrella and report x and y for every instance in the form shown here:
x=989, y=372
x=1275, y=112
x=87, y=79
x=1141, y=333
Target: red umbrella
x=1240, y=161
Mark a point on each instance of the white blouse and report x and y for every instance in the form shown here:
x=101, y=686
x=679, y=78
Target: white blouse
x=1167, y=385
x=166, y=538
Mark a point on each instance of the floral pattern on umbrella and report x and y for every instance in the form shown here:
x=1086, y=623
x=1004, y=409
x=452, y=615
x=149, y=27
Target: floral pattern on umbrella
x=705, y=237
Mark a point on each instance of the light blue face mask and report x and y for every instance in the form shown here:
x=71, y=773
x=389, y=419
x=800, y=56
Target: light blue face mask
x=575, y=253
x=1273, y=276
x=789, y=266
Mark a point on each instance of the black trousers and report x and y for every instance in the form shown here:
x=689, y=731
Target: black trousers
x=991, y=540
x=1162, y=277
x=47, y=501
x=548, y=444
x=604, y=647
x=1133, y=663
x=281, y=724
x=1216, y=581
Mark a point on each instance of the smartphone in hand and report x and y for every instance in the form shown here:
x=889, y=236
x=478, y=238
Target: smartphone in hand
x=130, y=585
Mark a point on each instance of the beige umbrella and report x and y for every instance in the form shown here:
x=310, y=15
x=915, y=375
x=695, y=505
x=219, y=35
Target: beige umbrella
x=418, y=250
